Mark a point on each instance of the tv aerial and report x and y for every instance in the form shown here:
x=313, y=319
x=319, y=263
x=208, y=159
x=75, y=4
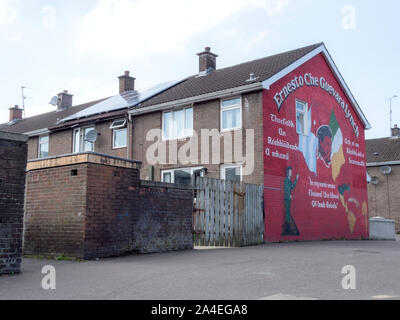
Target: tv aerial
x=54, y=101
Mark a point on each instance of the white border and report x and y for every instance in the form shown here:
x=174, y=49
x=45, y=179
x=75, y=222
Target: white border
x=223, y=167
x=321, y=49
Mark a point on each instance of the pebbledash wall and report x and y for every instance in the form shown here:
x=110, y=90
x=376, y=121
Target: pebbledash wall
x=93, y=206
x=315, y=174
x=13, y=151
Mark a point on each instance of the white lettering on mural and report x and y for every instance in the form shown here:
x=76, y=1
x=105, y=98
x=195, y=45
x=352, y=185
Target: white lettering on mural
x=311, y=81
x=323, y=199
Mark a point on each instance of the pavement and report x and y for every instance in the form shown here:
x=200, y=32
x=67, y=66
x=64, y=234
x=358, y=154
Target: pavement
x=287, y=271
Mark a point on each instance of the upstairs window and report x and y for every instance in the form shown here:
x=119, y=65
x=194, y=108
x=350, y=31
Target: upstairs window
x=43, y=147
x=301, y=117
x=177, y=124
x=231, y=114
x=120, y=134
x=80, y=144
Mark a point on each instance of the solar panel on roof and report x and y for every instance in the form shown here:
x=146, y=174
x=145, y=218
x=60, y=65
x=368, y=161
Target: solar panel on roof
x=126, y=100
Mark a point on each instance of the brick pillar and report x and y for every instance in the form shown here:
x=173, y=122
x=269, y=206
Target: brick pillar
x=13, y=155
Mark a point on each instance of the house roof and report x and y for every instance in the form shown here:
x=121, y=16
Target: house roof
x=43, y=121
x=122, y=101
x=231, y=77
x=237, y=77
x=383, y=150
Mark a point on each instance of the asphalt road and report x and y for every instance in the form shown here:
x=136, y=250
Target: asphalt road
x=273, y=271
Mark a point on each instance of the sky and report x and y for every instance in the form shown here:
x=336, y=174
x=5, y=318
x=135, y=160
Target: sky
x=83, y=46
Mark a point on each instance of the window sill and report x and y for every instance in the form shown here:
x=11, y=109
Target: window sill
x=231, y=130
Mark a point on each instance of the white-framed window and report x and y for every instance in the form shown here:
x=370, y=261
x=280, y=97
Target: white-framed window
x=179, y=176
x=177, y=124
x=118, y=124
x=43, y=150
x=231, y=172
x=120, y=134
x=231, y=114
x=76, y=141
x=80, y=144
x=301, y=117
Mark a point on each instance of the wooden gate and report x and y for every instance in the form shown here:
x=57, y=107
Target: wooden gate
x=228, y=214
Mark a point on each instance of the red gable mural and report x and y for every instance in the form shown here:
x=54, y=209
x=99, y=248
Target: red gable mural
x=315, y=167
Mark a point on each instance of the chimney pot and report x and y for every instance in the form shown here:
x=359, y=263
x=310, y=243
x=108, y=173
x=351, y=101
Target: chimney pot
x=126, y=83
x=207, y=60
x=15, y=113
x=396, y=131
x=64, y=100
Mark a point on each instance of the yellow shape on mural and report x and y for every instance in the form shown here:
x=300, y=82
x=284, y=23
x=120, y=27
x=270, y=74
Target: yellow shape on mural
x=338, y=161
x=351, y=217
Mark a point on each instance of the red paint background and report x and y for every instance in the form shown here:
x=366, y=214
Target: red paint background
x=313, y=223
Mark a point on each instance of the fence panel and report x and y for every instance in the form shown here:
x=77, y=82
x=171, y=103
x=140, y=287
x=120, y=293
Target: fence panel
x=228, y=214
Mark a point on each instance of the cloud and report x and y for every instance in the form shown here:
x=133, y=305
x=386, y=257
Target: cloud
x=7, y=13
x=257, y=39
x=49, y=17
x=85, y=90
x=126, y=28
x=15, y=38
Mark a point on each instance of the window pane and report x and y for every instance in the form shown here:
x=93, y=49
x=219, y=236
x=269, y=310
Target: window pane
x=167, y=177
x=189, y=122
x=179, y=124
x=43, y=147
x=167, y=125
x=120, y=138
x=232, y=102
x=182, y=176
x=300, y=123
x=232, y=174
x=76, y=141
x=231, y=119
x=300, y=106
x=88, y=146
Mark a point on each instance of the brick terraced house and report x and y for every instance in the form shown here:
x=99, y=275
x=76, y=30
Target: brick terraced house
x=287, y=121
x=383, y=166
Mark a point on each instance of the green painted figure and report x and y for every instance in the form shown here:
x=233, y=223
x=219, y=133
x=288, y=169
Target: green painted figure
x=289, y=226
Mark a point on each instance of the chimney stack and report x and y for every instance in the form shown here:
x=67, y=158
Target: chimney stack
x=207, y=61
x=15, y=113
x=396, y=131
x=64, y=100
x=126, y=83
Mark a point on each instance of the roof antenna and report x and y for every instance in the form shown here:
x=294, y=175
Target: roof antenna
x=23, y=100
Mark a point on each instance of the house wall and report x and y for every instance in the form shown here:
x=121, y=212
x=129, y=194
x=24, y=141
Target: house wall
x=61, y=143
x=206, y=115
x=13, y=150
x=379, y=197
x=98, y=208
x=33, y=148
x=329, y=199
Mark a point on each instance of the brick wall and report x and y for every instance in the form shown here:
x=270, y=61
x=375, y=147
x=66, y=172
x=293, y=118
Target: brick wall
x=206, y=115
x=102, y=211
x=162, y=220
x=55, y=211
x=13, y=152
x=378, y=195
